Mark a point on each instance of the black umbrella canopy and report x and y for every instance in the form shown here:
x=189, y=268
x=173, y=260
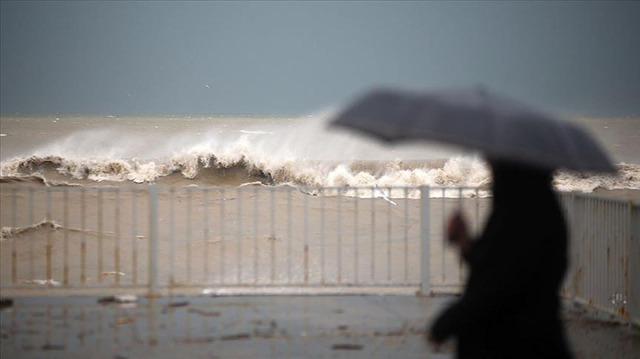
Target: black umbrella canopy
x=500, y=127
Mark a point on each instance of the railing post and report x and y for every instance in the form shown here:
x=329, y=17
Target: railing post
x=425, y=242
x=153, y=241
x=634, y=266
x=571, y=218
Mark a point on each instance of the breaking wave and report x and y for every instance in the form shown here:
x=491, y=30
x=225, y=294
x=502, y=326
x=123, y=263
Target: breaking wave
x=202, y=168
x=628, y=177
x=210, y=169
x=300, y=153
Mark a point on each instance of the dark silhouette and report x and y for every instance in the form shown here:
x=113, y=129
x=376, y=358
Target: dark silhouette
x=511, y=307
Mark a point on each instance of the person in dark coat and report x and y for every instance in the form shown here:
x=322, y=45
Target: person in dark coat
x=511, y=307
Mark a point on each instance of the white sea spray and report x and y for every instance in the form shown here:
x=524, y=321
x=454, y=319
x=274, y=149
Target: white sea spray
x=303, y=154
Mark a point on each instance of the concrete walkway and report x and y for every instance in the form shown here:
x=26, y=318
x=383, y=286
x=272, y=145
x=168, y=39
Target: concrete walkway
x=389, y=326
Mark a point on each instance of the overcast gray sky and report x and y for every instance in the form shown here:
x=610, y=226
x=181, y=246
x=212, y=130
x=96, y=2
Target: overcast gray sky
x=298, y=57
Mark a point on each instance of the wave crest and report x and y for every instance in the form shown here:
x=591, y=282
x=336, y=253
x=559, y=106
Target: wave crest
x=241, y=167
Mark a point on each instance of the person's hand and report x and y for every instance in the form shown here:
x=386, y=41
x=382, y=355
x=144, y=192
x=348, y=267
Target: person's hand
x=458, y=233
x=431, y=339
x=437, y=346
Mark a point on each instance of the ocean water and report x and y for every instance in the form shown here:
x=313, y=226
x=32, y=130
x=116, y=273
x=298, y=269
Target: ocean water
x=235, y=151
x=301, y=151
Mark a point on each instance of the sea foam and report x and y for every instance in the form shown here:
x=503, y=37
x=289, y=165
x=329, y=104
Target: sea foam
x=302, y=154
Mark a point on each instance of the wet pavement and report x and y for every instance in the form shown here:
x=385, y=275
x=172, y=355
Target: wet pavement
x=217, y=327
x=321, y=326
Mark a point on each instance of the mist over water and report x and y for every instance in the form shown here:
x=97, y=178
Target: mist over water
x=232, y=151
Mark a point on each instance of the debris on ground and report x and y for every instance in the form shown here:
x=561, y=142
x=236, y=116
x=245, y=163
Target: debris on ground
x=53, y=347
x=177, y=304
x=6, y=303
x=346, y=346
x=204, y=313
x=239, y=336
x=125, y=298
x=124, y=320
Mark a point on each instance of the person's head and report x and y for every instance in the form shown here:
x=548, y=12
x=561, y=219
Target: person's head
x=510, y=177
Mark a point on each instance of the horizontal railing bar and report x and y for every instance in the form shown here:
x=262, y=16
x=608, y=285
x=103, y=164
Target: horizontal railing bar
x=109, y=188
x=214, y=285
x=242, y=188
x=40, y=287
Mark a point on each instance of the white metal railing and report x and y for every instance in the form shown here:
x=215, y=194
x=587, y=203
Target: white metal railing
x=604, y=254
x=265, y=236
x=225, y=236
x=634, y=267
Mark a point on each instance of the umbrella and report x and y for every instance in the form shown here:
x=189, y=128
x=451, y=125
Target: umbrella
x=500, y=127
